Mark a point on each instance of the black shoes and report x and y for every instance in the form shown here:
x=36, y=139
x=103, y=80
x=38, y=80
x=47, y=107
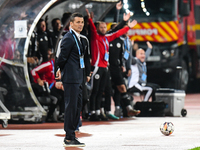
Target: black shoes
x=73, y=143
x=61, y=118
x=94, y=117
x=101, y=117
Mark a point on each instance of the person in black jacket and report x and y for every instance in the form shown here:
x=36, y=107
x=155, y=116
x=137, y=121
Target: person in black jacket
x=116, y=67
x=54, y=34
x=43, y=43
x=71, y=64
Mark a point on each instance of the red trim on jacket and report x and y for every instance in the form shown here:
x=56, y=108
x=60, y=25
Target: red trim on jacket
x=44, y=72
x=97, y=44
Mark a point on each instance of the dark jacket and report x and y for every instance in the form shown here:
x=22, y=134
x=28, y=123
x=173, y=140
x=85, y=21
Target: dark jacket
x=69, y=59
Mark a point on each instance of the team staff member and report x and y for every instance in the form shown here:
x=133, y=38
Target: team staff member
x=119, y=54
x=138, y=78
x=54, y=34
x=112, y=55
x=71, y=64
x=45, y=73
x=100, y=56
x=43, y=43
x=87, y=74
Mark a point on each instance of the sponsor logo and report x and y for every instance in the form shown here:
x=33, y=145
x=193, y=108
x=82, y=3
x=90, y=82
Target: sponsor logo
x=118, y=45
x=45, y=37
x=97, y=76
x=143, y=32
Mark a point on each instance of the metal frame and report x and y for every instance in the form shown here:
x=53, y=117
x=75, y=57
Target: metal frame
x=4, y=116
x=26, y=64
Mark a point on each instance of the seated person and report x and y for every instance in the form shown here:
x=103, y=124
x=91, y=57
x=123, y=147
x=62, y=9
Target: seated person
x=138, y=78
x=45, y=73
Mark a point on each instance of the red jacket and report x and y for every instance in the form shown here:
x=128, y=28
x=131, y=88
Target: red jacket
x=7, y=49
x=44, y=72
x=98, y=43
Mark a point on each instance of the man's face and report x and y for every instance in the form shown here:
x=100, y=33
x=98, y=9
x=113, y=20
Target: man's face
x=17, y=55
x=102, y=28
x=135, y=46
x=49, y=54
x=140, y=54
x=9, y=33
x=43, y=26
x=77, y=24
x=57, y=25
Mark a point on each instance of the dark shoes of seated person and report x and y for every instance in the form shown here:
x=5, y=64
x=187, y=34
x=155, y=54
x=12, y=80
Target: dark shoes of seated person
x=101, y=117
x=73, y=143
x=61, y=118
x=51, y=119
x=94, y=117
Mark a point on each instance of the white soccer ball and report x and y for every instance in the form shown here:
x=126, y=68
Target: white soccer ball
x=167, y=128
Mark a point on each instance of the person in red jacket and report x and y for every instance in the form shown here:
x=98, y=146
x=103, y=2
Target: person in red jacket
x=100, y=55
x=44, y=74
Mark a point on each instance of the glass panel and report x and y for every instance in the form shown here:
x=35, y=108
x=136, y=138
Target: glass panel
x=16, y=95
x=21, y=10
x=14, y=90
x=1, y=2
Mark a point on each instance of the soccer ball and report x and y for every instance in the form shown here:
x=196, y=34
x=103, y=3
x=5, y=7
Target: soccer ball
x=167, y=128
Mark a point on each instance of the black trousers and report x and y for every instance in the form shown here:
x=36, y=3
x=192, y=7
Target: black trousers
x=73, y=106
x=99, y=79
x=154, y=87
x=107, y=93
x=59, y=94
x=116, y=96
x=85, y=97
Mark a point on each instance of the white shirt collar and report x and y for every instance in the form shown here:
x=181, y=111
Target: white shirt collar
x=77, y=34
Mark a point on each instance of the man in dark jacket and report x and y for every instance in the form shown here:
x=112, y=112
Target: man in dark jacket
x=71, y=64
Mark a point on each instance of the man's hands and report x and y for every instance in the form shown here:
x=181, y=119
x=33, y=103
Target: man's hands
x=129, y=73
x=40, y=82
x=90, y=15
x=123, y=69
x=132, y=24
x=132, y=42
x=58, y=75
x=119, y=5
x=149, y=45
x=32, y=60
x=88, y=79
x=23, y=15
x=59, y=85
x=126, y=17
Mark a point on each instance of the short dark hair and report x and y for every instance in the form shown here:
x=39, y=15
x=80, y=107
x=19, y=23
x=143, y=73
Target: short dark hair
x=65, y=17
x=98, y=23
x=54, y=21
x=39, y=22
x=76, y=14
